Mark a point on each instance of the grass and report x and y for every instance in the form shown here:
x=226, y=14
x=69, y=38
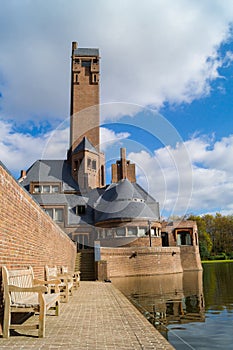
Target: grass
x=216, y=261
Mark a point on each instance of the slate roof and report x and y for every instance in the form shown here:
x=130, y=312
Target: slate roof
x=51, y=171
x=86, y=52
x=122, y=200
x=85, y=145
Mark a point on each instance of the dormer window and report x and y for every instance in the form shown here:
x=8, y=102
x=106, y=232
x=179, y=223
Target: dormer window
x=80, y=209
x=45, y=189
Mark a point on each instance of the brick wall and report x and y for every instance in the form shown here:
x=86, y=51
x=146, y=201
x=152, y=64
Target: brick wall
x=136, y=261
x=27, y=234
x=145, y=242
x=190, y=258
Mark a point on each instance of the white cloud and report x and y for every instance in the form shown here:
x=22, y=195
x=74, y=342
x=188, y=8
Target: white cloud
x=152, y=52
x=196, y=176
x=206, y=186
x=19, y=151
x=109, y=137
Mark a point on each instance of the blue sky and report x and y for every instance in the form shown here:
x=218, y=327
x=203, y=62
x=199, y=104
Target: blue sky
x=166, y=91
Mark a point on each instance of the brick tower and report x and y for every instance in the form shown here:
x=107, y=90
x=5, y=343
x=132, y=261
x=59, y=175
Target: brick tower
x=88, y=163
x=84, y=109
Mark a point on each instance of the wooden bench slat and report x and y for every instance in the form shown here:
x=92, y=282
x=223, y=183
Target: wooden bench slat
x=66, y=281
x=22, y=295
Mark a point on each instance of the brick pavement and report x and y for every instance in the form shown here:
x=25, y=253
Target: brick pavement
x=98, y=316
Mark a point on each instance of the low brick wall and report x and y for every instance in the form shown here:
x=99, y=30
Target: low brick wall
x=28, y=236
x=136, y=261
x=190, y=258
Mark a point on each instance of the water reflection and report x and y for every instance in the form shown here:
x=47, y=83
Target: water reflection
x=176, y=306
x=168, y=299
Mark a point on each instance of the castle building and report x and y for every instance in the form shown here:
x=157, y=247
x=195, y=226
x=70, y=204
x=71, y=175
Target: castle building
x=120, y=215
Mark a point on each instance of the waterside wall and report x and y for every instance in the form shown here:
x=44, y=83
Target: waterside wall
x=145, y=261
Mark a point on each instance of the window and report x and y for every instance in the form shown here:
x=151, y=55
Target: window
x=142, y=231
x=94, y=164
x=80, y=209
x=76, y=78
x=58, y=215
x=37, y=189
x=46, y=189
x=55, y=213
x=184, y=238
x=120, y=232
x=86, y=63
x=88, y=162
x=109, y=233
x=76, y=165
x=55, y=188
x=49, y=211
x=94, y=78
x=132, y=231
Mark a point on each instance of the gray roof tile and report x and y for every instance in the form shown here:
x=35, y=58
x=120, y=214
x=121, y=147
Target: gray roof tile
x=86, y=52
x=51, y=171
x=85, y=145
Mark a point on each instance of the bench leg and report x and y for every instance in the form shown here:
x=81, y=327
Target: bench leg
x=57, y=308
x=42, y=316
x=66, y=294
x=7, y=319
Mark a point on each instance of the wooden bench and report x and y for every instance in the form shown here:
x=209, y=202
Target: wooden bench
x=24, y=294
x=66, y=281
x=74, y=275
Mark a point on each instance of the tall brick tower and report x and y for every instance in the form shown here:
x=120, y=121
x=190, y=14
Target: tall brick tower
x=84, y=109
x=88, y=163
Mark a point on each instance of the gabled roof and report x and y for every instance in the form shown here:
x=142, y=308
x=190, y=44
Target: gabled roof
x=86, y=52
x=85, y=145
x=51, y=171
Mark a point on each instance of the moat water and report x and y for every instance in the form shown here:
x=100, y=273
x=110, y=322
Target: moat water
x=193, y=310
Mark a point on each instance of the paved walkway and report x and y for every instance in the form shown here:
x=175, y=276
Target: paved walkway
x=98, y=317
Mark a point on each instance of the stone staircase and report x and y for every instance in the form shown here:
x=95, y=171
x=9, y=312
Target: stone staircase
x=85, y=263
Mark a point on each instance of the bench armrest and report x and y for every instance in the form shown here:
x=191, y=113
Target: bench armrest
x=77, y=273
x=43, y=282
x=65, y=277
x=35, y=289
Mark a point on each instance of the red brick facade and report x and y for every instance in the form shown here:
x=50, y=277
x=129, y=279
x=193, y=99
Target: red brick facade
x=28, y=235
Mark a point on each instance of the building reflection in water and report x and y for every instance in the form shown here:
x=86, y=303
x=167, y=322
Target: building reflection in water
x=168, y=299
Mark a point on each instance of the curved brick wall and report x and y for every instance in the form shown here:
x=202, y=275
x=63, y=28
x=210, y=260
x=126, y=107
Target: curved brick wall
x=148, y=261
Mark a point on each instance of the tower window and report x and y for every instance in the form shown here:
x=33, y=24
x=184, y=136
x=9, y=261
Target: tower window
x=88, y=162
x=86, y=63
x=94, y=79
x=94, y=164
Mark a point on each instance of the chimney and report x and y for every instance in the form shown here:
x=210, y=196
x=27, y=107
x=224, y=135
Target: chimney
x=74, y=46
x=23, y=174
x=123, y=164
